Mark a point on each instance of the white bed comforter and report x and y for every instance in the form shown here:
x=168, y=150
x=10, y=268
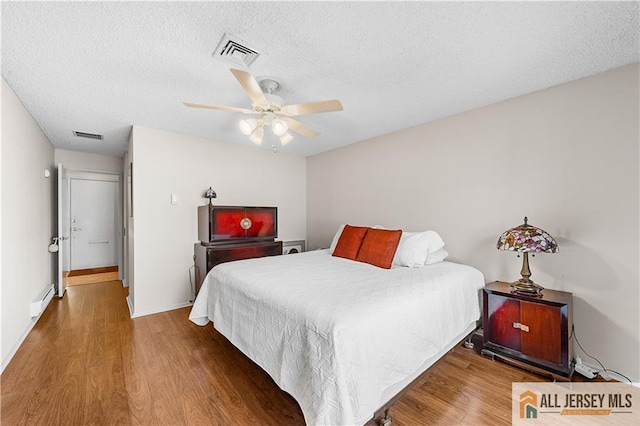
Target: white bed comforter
x=334, y=333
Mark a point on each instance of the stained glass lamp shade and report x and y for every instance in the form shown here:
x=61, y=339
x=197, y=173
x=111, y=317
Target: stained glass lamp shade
x=524, y=239
x=210, y=194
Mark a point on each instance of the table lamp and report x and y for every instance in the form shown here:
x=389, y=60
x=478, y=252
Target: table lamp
x=210, y=194
x=524, y=239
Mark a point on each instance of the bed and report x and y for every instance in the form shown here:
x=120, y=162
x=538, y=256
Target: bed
x=342, y=337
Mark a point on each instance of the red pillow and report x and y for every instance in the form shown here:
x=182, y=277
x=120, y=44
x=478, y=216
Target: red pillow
x=350, y=241
x=378, y=247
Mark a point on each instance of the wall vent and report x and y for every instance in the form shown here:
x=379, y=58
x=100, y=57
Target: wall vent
x=87, y=135
x=232, y=49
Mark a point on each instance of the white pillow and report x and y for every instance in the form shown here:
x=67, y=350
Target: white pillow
x=436, y=257
x=336, y=237
x=414, y=247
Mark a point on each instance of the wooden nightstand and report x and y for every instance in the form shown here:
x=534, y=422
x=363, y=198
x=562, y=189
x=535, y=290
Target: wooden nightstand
x=531, y=332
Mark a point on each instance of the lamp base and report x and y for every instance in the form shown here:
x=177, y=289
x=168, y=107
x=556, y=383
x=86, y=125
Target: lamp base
x=527, y=288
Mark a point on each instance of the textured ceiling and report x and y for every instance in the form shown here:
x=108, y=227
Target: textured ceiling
x=103, y=67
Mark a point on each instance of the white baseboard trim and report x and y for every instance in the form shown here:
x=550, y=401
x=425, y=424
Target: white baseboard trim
x=634, y=381
x=158, y=311
x=130, y=304
x=21, y=340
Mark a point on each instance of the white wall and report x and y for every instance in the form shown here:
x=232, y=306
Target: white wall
x=167, y=163
x=27, y=212
x=3, y=360
x=88, y=161
x=566, y=157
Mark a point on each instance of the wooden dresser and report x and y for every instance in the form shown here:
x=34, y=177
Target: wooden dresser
x=228, y=233
x=531, y=332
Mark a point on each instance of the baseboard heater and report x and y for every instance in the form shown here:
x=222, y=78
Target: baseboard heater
x=40, y=303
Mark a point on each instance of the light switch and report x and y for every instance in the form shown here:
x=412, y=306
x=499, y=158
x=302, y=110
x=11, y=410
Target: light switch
x=174, y=198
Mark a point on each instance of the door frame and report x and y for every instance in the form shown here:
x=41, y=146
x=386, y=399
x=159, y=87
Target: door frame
x=100, y=175
x=63, y=208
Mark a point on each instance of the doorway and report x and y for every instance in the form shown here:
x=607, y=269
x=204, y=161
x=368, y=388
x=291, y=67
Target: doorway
x=94, y=227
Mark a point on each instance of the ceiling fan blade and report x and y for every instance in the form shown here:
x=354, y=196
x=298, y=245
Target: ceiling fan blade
x=311, y=108
x=221, y=108
x=298, y=127
x=251, y=86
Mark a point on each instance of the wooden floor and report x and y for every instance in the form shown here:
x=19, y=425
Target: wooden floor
x=90, y=276
x=87, y=362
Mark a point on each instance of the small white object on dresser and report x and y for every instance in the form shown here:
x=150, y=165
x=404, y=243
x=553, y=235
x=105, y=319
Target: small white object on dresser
x=292, y=247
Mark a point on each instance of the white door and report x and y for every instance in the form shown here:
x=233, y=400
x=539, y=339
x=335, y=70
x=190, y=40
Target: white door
x=93, y=223
x=63, y=227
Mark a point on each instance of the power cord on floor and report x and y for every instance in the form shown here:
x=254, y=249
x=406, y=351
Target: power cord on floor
x=604, y=369
x=192, y=287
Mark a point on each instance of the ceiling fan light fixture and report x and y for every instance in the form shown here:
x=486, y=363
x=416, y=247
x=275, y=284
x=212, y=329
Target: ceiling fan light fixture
x=248, y=126
x=285, y=138
x=256, y=136
x=271, y=108
x=280, y=127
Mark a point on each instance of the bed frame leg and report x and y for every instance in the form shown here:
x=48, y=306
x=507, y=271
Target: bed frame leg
x=386, y=420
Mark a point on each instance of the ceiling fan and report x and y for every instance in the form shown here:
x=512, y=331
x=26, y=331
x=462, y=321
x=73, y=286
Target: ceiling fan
x=272, y=110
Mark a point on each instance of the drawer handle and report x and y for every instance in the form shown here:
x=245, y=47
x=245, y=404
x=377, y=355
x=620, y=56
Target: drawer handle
x=522, y=327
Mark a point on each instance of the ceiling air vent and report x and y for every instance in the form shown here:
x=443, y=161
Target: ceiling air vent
x=232, y=49
x=87, y=135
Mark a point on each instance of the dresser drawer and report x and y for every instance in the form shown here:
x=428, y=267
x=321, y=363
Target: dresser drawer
x=208, y=256
x=217, y=255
